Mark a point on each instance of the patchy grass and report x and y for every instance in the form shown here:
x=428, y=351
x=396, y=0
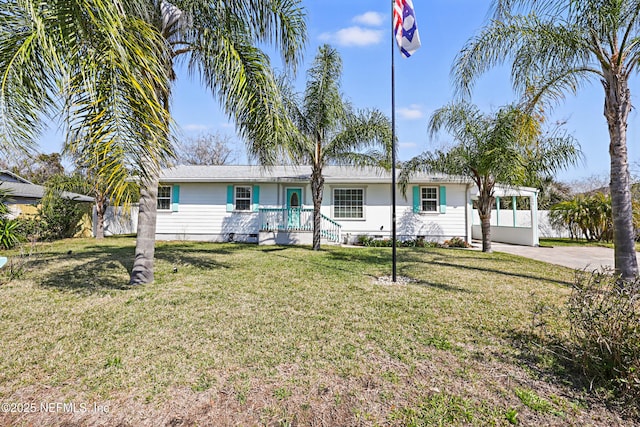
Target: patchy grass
x=551, y=242
x=565, y=241
x=248, y=335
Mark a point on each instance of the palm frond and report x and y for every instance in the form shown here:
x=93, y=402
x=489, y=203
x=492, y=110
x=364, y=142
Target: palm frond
x=534, y=47
x=361, y=130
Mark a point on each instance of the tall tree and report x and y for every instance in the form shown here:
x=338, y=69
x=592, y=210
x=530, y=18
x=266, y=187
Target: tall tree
x=99, y=66
x=55, y=58
x=37, y=169
x=555, y=47
x=206, y=149
x=218, y=43
x=90, y=178
x=108, y=66
x=328, y=130
x=507, y=147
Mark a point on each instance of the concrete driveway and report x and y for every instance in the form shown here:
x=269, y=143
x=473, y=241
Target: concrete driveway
x=578, y=257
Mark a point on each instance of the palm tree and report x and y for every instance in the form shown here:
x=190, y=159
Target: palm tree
x=328, y=129
x=556, y=46
x=54, y=59
x=217, y=41
x=99, y=66
x=506, y=147
x=108, y=67
x=89, y=178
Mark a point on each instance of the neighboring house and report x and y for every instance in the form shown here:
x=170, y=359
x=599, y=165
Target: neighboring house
x=25, y=196
x=274, y=205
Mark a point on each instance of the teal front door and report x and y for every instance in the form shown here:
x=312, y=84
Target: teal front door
x=294, y=204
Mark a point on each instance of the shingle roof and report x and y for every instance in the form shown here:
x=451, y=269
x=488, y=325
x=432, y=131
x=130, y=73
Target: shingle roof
x=35, y=192
x=9, y=176
x=332, y=174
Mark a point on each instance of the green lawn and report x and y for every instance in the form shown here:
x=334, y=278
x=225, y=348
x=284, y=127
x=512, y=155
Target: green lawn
x=550, y=242
x=248, y=335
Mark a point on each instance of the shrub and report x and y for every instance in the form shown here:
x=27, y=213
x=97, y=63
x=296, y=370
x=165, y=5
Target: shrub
x=420, y=242
x=9, y=233
x=604, y=316
x=456, y=242
x=363, y=240
x=589, y=216
x=59, y=218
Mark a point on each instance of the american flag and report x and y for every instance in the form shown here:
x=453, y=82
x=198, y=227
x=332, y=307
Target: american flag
x=405, y=28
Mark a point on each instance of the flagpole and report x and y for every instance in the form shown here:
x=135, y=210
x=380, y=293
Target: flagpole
x=393, y=151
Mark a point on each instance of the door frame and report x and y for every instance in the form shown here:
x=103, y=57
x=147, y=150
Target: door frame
x=293, y=218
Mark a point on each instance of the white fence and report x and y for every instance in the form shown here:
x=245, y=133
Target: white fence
x=118, y=221
x=547, y=230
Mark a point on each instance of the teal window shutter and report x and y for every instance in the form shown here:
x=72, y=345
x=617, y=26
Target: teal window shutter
x=443, y=199
x=175, y=198
x=256, y=198
x=416, y=200
x=229, y=198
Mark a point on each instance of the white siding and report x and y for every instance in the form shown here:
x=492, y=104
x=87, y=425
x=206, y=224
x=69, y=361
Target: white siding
x=434, y=226
x=202, y=213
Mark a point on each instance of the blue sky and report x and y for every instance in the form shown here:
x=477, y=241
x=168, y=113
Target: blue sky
x=360, y=30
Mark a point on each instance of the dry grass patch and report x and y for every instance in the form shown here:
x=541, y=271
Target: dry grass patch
x=254, y=335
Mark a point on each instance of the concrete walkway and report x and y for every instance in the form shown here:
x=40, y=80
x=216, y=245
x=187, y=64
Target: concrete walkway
x=576, y=257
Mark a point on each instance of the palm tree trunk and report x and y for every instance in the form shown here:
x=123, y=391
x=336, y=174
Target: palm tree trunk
x=485, y=225
x=142, y=271
x=617, y=106
x=317, y=184
x=101, y=208
x=485, y=203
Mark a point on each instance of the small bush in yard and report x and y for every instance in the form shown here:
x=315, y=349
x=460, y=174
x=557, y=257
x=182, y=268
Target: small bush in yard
x=604, y=316
x=9, y=233
x=456, y=242
x=420, y=242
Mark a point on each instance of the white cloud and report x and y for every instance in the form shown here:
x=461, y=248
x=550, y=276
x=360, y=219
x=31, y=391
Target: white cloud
x=413, y=112
x=354, y=36
x=371, y=19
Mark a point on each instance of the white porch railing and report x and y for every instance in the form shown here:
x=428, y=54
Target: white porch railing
x=298, y=219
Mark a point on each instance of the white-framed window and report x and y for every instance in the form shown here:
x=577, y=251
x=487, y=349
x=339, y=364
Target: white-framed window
x=242, y=198
x=348, y=203
x=429, y=199
x=164, y=197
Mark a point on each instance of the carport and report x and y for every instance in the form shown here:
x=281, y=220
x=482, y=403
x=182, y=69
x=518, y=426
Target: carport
x=514, y=218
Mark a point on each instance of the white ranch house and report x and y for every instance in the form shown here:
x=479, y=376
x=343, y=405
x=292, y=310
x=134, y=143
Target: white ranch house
x=274, y=206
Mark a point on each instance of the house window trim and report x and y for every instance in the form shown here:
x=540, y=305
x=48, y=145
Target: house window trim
x=436, y=210
x=364, y=203
x=169, y=207
x=250, y=199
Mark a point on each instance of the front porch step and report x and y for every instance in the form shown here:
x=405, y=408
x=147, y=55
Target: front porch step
x=291, y=237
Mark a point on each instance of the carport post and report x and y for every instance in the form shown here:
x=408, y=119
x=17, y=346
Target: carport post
x=534, y=219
